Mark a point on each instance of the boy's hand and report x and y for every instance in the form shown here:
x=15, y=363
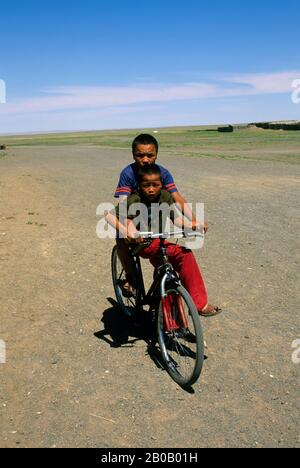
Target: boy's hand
x=135, y=240
x=133, y=235
x=199, y=227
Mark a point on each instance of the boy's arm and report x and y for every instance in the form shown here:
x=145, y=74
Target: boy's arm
x=171, y=187
x=184, y=224
x=185, y=208
x=123, y=199
x=115, y=223
x=180, y=223
x=128, y=232
x=124, y=188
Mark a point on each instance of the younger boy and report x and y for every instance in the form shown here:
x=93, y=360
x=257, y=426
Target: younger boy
x=150, y=191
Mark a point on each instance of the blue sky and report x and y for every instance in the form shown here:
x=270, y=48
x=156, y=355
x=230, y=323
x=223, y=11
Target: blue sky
x=116, y=64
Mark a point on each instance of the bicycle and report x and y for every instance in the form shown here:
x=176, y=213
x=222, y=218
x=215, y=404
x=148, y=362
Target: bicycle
x=179, y=330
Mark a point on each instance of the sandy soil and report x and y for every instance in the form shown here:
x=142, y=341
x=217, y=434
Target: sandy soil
x=68, y=382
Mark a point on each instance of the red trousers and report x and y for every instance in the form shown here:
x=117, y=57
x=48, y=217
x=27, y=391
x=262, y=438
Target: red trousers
x=185, y=264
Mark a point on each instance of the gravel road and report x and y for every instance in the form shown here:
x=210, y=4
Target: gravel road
x=78, y=376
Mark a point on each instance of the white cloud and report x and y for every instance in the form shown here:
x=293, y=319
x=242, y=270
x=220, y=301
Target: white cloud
x=2, y=92
x=103, y=97
x=268, y=83
x=148, y=104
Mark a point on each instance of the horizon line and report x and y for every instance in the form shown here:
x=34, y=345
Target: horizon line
x=58, y=132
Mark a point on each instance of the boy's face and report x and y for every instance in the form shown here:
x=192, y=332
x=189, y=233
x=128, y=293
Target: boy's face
x=151, y=186
x=145, y=155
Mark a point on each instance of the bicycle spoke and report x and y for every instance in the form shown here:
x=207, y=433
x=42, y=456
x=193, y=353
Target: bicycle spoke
x=131, y=301
x=182, y=355
x=122, y=272
x=127, y=304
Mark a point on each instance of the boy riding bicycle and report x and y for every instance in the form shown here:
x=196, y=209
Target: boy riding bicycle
x=150, y=191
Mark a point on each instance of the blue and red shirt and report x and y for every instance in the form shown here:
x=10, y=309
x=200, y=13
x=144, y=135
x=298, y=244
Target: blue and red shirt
x=128, y=183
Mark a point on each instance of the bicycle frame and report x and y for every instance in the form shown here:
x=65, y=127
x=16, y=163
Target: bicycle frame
x=165, y=275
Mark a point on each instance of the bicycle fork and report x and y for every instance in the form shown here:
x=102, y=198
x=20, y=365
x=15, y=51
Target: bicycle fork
x=172, y=322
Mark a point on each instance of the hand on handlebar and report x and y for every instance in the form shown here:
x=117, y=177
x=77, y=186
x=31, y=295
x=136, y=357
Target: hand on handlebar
x=133, y=235
x=135, y=240
x=200, y=227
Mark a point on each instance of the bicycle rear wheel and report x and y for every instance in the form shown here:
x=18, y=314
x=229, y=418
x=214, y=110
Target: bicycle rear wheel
x=180, y=337
x=127, y=305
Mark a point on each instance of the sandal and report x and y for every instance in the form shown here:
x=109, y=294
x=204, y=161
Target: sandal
x=210, y=311
x=128, y=291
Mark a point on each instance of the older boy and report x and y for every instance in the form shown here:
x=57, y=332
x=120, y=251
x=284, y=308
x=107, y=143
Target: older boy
x=145, y=151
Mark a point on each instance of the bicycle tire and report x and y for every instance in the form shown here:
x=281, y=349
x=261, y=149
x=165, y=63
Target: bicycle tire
x=127, y=306
x=170, y=347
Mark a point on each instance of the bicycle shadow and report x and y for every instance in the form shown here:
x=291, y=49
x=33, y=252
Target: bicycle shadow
x=121, y=331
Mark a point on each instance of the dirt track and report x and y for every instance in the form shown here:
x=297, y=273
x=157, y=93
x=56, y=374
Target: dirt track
x=66, y=383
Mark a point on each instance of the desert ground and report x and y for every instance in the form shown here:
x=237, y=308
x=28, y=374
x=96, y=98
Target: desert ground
x=77, y=374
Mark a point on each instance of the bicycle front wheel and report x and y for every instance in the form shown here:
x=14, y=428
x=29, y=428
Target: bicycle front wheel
x=180, y=337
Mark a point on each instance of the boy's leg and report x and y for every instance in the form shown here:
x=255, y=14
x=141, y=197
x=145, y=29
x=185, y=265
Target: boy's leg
x=127, y=260
x=184, y=262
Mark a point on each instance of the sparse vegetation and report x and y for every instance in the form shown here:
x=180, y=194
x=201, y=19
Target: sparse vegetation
x=228, y=129
x=246, y=142
x=292, y=126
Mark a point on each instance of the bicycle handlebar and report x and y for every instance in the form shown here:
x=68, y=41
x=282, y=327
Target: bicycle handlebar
x=167, y=235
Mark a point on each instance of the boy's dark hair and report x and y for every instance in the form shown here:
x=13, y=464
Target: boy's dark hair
x=150, y=169
x=144, y=139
